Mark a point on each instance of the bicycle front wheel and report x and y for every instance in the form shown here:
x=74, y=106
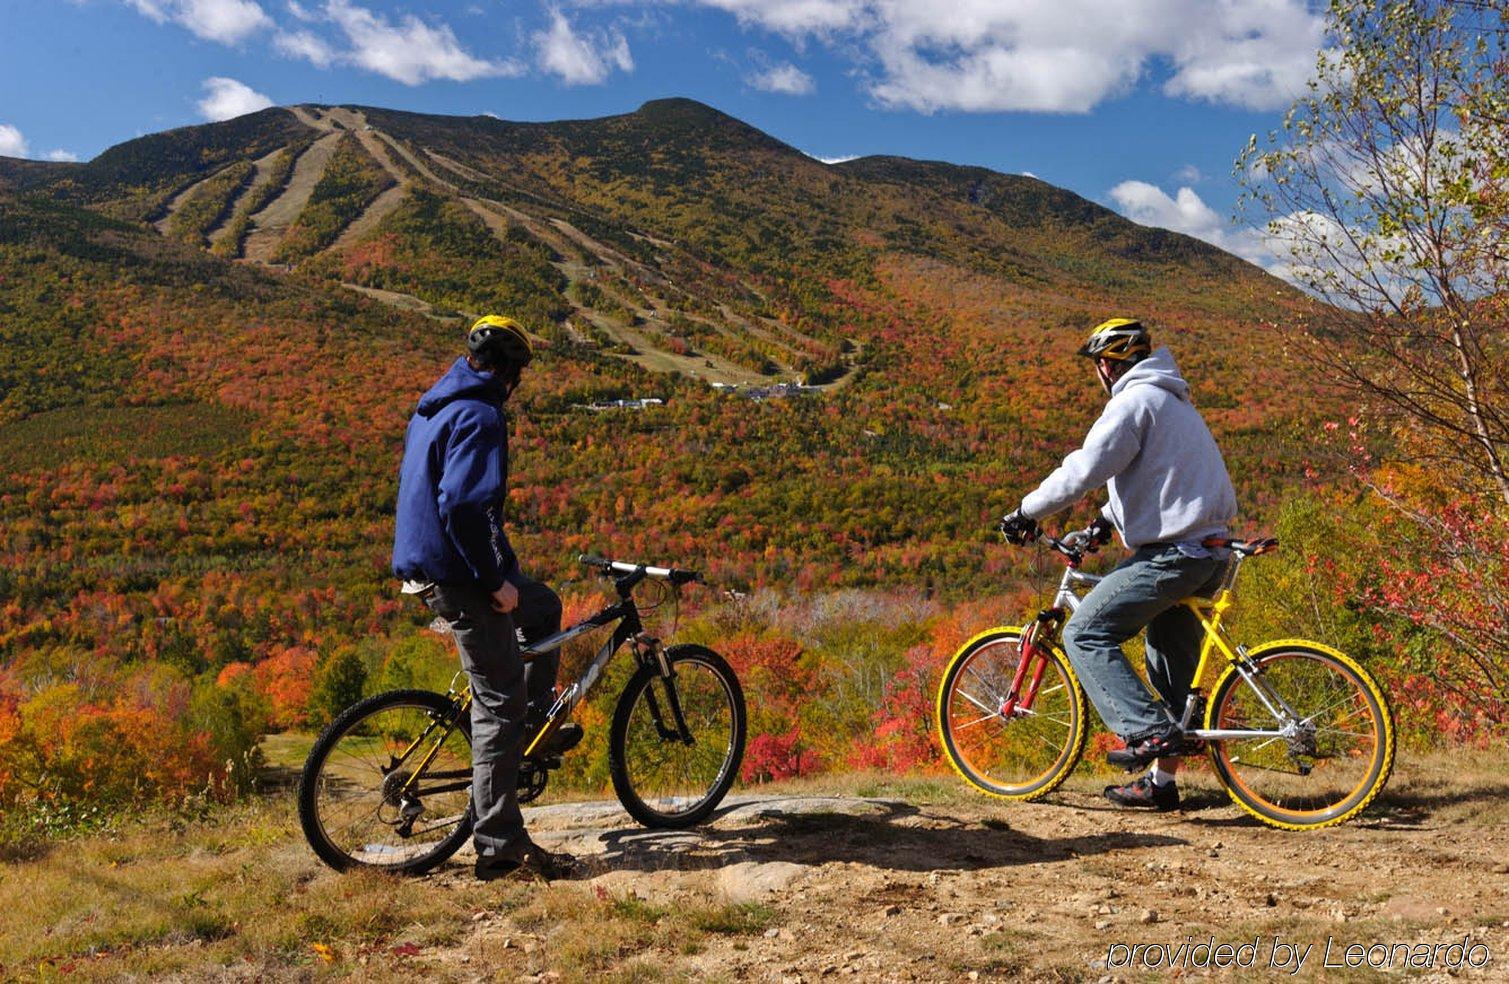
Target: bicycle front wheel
x=665, y=779
x=388, y=784
x=993, y=739
x=1337, y=760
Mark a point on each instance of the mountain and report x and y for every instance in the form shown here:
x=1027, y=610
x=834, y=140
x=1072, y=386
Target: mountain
x=212, y=338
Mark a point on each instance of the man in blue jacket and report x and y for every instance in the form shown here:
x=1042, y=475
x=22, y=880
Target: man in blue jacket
x=452, y=489
x=1168, y=490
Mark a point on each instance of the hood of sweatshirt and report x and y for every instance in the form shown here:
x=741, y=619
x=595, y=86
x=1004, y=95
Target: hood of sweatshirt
x=461, y=382
x=1157, y=369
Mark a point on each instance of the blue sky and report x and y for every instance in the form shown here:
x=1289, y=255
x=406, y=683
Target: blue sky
x=1138, y=104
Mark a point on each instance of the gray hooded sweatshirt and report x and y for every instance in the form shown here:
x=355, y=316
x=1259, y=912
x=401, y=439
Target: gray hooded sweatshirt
x=1152, y=451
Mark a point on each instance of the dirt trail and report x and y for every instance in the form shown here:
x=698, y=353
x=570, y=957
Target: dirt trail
x=879, y=888
x=409, y=302
x=269, y=225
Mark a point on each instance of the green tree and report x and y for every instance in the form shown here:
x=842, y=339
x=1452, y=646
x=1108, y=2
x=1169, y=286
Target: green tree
x=1387, y=188
x=338, y=683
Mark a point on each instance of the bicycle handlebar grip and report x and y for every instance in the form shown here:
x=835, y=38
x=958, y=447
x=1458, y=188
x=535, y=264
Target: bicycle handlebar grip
x=593, y=560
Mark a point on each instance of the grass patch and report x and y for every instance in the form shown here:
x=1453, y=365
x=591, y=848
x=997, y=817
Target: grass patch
x=240, y=888
x=744, y=919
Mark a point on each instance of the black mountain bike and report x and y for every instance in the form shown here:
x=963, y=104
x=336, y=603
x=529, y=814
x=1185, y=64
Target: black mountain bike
x=388, y=784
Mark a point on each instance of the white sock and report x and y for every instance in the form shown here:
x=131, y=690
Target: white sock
x=1161, y=778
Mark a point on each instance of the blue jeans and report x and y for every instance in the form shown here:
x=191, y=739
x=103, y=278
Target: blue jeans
x=1144, y=591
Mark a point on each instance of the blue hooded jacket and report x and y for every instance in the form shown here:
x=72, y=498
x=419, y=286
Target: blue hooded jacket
x=453, y=484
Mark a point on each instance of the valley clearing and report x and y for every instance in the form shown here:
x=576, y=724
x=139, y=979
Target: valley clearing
x=855, y=877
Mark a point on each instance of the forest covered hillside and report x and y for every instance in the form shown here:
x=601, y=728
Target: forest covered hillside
x=212, y=338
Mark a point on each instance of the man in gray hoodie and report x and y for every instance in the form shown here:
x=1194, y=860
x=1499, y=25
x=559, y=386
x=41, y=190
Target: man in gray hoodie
x=1168, y=491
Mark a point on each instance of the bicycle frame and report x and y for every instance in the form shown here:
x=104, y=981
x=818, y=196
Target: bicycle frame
x=630, y=629
x=1211, y=613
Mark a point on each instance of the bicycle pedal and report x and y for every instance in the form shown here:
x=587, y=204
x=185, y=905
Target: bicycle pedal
x=546, y=761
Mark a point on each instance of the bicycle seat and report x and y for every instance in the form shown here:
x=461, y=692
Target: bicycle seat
x=1246, y=548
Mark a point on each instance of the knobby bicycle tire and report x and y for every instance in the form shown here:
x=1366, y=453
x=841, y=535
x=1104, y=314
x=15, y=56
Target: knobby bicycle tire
x=1374, y=700
x=1041, y=782
x=682, y=659
x=309, y=783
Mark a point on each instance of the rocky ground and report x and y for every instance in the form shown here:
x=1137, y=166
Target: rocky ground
x=879, y=888
x=863, y=878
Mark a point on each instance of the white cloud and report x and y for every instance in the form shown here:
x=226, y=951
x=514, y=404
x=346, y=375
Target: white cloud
x=784, y=78
x=577, y=58
x=12, y=143
x=1055, y=55
x=226, y=98
x=840, y=159
x=225, y=21
x=797, y=18
x=306, y=45
x=1189, y=174
x=410, y=51
x=1187, y=212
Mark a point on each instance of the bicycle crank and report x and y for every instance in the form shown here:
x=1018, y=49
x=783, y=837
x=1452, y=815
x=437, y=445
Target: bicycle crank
x=532, y=780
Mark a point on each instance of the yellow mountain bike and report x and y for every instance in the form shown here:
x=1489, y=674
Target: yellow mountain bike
x=1299, y=734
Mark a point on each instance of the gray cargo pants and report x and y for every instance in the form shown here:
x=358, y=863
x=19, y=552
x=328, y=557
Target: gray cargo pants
x=502, y=686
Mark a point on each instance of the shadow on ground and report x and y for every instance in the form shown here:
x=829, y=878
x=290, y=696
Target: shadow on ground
x=895, y=837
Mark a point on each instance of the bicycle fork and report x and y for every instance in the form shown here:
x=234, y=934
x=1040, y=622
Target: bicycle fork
x=1017, y=700
x=648, y=649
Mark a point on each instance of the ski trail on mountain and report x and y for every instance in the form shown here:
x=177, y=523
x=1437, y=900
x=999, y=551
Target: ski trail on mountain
x=269, y=225
x=261, y=174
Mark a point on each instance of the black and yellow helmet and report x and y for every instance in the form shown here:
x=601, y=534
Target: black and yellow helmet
x=1119, y=339
x=499, y=343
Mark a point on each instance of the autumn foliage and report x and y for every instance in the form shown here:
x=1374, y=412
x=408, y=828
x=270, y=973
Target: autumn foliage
x=196, y=508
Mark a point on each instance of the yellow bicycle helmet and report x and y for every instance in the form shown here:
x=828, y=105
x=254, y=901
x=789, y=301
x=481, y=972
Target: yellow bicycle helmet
x=1119, y=339
x=499, y=343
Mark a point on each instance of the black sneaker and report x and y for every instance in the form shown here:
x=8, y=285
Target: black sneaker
x=1142, y=752
x=531, y=863
x=1143, y=793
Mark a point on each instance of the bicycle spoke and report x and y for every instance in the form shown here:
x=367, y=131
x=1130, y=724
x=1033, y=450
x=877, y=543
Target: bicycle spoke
x=1340, y=735
x=976, y=701
x=1014, y=751
x=355, y=799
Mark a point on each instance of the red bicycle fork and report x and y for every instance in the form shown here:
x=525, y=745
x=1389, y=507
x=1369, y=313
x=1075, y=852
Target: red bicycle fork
x=1017, y=700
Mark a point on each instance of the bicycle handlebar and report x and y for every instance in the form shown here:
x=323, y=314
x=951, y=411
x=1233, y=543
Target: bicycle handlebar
x=675, y=575
x=1243, y=548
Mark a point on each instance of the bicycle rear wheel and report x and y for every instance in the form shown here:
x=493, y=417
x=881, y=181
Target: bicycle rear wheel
x=357, y=805
x=661, y=779
x=1337, y=763
x=1023, y=754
